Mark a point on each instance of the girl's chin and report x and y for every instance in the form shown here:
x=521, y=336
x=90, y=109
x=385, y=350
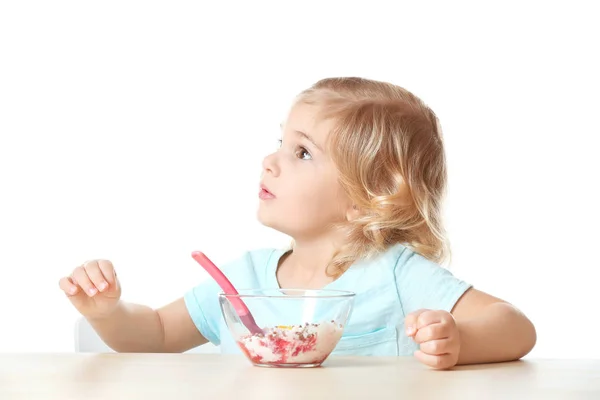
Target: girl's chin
x=273, y=224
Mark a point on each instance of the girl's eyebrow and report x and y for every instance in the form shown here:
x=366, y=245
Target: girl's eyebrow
x=305, y=136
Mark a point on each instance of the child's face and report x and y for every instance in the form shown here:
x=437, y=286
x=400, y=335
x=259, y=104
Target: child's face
x=306, y=195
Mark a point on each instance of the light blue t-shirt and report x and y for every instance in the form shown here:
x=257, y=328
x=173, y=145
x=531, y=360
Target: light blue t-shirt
x=388, y=287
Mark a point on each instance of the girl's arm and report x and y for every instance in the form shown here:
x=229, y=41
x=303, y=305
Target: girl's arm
x=480, y=329
x=491, y=330
x=136, y=328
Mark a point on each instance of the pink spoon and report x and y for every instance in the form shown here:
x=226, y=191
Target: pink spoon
x=238, y=304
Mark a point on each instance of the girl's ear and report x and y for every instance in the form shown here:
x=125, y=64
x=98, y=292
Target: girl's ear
x=352, y=213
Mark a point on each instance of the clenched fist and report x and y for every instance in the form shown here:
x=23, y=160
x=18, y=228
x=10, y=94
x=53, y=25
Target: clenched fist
x=437, y=335
x=93, y=288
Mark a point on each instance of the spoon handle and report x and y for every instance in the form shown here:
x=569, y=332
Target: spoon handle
x=228, y=288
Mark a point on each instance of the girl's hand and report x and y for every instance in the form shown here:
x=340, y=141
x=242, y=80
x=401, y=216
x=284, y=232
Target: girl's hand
x=93, y=288
x=437, y=334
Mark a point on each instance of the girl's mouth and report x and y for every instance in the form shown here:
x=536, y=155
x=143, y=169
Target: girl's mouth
x=265, y=194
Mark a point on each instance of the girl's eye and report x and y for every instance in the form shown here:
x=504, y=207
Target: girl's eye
x=303, y=154
x=300, y=153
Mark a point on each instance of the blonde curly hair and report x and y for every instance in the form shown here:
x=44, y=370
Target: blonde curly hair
x=388, y=149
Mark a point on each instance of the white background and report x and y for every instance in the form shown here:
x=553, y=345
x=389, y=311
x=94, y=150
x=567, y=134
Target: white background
x=134, y=131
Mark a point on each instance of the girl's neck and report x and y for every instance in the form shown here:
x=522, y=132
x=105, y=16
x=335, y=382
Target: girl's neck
x=305, y=266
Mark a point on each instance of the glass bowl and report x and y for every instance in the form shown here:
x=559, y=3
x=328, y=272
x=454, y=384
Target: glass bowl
x=300, y=327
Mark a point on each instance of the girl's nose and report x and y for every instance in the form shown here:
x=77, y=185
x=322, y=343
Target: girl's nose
x=270, y=164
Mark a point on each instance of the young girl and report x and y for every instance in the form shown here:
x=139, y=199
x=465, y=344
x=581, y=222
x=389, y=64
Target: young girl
x=358, y=183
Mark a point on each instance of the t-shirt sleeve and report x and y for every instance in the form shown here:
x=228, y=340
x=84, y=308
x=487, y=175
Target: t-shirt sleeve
x=202, y=301
x=422, y=283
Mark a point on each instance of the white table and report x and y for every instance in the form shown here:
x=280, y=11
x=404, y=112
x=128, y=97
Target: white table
x=205, y=376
